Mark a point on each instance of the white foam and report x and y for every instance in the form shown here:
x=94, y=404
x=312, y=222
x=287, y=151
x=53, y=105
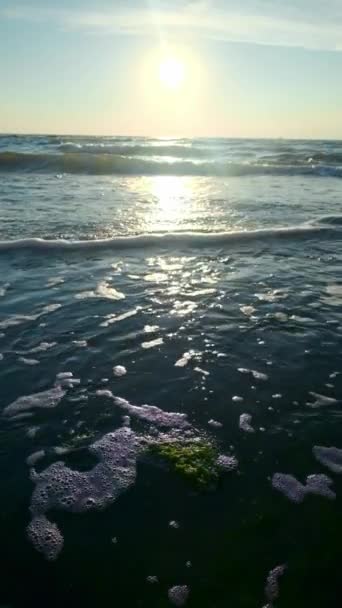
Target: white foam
x=59, y=487
x=199, y=370
x=119, y=370
x=257, y=375
x=41, y=348
x=215, y=424
x=45, y=537
x=28, y=361
x=110, y=319
x=296, y=491
x=46, y=399
x=248, y=310
x=152, y=343
x=102, y=290
x=178, y=595
x=237, y=399
x=184, y=360
x=80, y=343
x=227, y=463
x=245, y=423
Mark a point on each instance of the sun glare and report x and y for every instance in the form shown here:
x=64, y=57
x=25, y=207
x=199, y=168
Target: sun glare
x=172, y=73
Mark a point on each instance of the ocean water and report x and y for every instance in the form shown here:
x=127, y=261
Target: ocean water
x=170, y=291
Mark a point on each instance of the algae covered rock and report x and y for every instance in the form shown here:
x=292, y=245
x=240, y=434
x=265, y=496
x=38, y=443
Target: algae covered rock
x=196, y=461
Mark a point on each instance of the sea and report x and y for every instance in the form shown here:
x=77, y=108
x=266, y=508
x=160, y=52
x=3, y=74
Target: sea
x=171, y=376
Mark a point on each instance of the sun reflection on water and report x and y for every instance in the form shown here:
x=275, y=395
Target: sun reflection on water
x=172, y=197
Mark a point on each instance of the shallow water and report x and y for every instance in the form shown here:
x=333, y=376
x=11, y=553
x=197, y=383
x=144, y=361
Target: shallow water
x=235, y=312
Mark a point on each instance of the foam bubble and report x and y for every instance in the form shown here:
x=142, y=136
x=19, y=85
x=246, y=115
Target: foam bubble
x=257, y=375
x=110, y=319
x=215, y=424
x=248, y=310
x=45, y=399
x=28, y=361
x=80, y=343
x=174, y=524
x=64, y=375
x=45, y=537
x=330, y=457
x=151, y=413
x=272, y=582
x=102, y=290
x=245, y=423
x=42, y=347
x=199, y=370
x=289, y=486
x=227, y=463
x=178, y=595
x=119, y=370
x=237, y=399
x=320, y=485
x=152, y=343
x=153, y=580
x=59, y=487
x=1, y=356
x=296, y=491
x=184, y=360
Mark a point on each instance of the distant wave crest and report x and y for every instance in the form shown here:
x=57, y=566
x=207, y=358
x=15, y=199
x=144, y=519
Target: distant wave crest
x=114, y=164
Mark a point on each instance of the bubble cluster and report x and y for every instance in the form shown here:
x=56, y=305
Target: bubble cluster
x=59, y=487
x=227, y=463
x=45, y=537
x=295, y=491
x=178, y=595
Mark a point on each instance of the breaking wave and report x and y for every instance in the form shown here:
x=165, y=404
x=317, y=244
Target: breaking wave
x=86, y=162
x=173, y=239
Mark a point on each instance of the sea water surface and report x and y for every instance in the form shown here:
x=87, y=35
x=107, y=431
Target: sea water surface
x=159, y=291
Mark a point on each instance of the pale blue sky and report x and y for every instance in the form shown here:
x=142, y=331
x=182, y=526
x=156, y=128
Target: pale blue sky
x=257, y=68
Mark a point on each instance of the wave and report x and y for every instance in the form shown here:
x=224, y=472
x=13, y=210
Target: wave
x=171, y=239
x=174, y=150
x=107, y=164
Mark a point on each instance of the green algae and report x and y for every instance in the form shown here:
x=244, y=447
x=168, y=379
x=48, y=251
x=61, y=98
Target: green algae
x=195, y=461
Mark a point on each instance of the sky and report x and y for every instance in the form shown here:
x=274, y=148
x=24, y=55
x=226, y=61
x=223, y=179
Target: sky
x=251, y=68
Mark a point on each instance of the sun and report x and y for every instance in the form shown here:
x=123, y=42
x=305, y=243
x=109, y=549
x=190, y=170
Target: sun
x=172, y=73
